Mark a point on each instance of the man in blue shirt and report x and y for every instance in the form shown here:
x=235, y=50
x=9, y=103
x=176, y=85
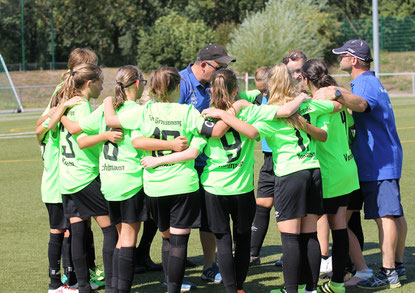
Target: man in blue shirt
x=195, y=90
x=378, y=154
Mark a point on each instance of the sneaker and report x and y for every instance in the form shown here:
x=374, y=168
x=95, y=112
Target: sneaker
x=254, y=261
x=326, y=265
x=95, y=284
x=189, y=264
x=64, y=279
x=186, y=286
x=381, y=280
x=69, y=289
x=58, y=290
x=400, y=269
x=97, y=273
x=278, y=263
x=331, y=287
x=212, y=274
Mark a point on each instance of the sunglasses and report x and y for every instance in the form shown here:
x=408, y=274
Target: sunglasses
x=143, y=82
x=293, y=57
x=216, y=67
x=344, y=56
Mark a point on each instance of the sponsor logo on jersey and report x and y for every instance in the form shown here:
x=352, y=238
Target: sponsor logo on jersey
x=157, y=120
x=108, y=167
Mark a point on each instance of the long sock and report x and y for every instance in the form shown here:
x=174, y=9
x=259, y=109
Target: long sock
x=225, y=261
x=79, y=255
x=355, y=224
x=90, y=248
x=143, y=249
x=339, y=253
x=126, y=269
x=311, y=259
x=292, y=260
x=110, y=240
x=242, y=258
x=54, y=255
x=67, y=264
x=165, y=250
x=177, y=259
x=259, y=229
x=115, y=260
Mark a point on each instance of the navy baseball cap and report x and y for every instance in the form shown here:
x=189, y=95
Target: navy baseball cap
x=356, y=48
x=216, y=53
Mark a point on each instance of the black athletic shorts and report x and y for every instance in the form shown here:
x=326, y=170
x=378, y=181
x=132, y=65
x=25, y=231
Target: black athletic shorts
x=355, y=201
x=204, y=225
x=298, y=194
x=331, y=205
x=177, y=211
x=86, y=203
x=57, y=219
x=266, y=181
x=240, y=207
x=131, y=210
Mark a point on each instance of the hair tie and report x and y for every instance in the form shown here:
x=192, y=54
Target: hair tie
x=120, y=84
x=72, y=73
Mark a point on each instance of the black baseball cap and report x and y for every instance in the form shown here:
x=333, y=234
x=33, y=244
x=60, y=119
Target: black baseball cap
x=357, y=48
x=216, y=53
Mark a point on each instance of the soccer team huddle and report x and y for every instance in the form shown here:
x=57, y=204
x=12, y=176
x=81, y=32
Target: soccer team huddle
x=185, y=159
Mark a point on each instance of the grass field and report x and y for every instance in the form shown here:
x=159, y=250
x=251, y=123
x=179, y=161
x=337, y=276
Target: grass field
x=24, y=223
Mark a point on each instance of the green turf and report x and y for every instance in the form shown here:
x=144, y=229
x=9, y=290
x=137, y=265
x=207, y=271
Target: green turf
x=24, y=223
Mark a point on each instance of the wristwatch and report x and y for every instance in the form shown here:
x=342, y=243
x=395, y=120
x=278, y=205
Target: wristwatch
x=337, y=94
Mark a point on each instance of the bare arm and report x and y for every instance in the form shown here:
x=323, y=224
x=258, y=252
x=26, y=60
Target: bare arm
x=72, y=126
x=187, y=155
x=61, y=109
x=178, y=144
x=315, y=132
x=111, y=119
x=291, y=107
x=348, y=99
x=40, y=133
x=88, y=141
x=41, y=119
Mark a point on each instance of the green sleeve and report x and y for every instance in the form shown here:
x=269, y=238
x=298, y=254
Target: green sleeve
x=249, y=96
x=91, y=123
x=132, y=119
x=195, y=123
x=322, y=107
x=350, y=120
x=136, y=133
x=323, y=122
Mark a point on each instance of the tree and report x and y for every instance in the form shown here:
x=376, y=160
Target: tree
x=265, y=37
x=172, y=41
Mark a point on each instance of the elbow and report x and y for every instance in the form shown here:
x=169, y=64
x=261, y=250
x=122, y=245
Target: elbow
x=253, y=135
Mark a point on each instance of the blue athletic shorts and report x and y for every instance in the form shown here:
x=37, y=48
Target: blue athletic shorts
x=382, y=198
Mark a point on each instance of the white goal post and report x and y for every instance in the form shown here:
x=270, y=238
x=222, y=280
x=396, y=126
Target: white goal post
x=9, y=100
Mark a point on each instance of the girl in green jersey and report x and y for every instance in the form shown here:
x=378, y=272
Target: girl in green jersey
x=171, y=189
x=79, y=172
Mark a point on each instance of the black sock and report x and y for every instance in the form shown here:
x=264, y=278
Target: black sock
x=143, y=249
x=311, y=259
x=79, y=255
x=355, y=224
x=259, y=229
x=325, y=257
x=292, y=260
x=115, y=260
x=241, y=257
x=226, y=262
x=339, y=254
x=165, y=250
x=177, y=259
x=54, y=255
x=110, y=240
x=397, y=263
x=67, y=264
x=90, y=248
x=388, y=271
x=126, y=269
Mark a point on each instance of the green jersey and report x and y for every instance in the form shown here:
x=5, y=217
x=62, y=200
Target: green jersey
x=120, y=169
x=77, y=168
x=292, y=149
x=337, y=165
x=230, y=164
x=167, y=121
x=251, y=96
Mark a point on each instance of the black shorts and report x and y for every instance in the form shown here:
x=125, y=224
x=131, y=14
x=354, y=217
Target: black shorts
x=240, y=207
x=178, y=211
x=204, y=225
x=355, y=201
x=57, y=219
x=131, y=210
x=86, y=203
x=266, y=181
x=331, y=205
x=298, y=194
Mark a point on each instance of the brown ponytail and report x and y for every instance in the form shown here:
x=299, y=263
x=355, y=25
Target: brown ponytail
x=126, y=75
x=163, y=82
x=224, y=84
x=315, y=70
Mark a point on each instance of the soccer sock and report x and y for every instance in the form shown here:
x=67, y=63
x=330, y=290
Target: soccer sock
x=177, y=259
x=110, y=240
x=355, y=224
x=143, y=249
x=242, y=258
x=90, y=248
x=311, y=258
x=339, y=253
x=259, y=229
x=165, y=250
x=126, y=269
x=115, y=260
x=292, y=260
x=79, y=255
x=225, y=261
x=67, y=264
x=54, y=255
